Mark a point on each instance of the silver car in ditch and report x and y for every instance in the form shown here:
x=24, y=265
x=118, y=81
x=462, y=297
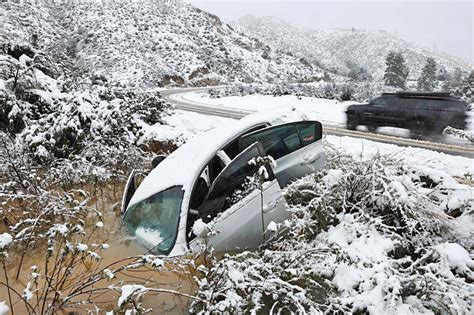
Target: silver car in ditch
x=207, y=179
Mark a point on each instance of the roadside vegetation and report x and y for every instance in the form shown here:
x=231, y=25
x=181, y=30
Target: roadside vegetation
x=367, y=236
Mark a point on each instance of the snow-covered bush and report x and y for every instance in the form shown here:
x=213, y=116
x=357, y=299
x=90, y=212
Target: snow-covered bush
x=53, y=214
x=56, y=123
x=365, y=236
x=343, y=91
x=463, y=134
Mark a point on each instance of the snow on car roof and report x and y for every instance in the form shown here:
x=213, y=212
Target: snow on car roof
x=182, y=166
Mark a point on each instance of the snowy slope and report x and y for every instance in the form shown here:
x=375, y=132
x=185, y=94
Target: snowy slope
x=333, y=49
x=149, y=43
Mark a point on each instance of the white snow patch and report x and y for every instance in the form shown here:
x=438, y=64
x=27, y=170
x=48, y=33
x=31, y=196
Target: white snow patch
x=455, y=255
x=82, y=247
x=5, y=240
x=235, y=275
x=329, y=112
x=128, y=290
x=272, y=227
x=59, y=228
x=148, y=236
x=200, y=229
x=332, y=177
x=4, y=308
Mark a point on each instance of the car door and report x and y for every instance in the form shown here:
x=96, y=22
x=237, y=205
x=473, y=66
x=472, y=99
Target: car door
x=374, y=114
x=392, y=112
x=296, y=147
x=235, y=208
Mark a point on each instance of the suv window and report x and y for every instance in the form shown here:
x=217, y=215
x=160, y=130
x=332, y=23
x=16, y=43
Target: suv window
x=281, y=140
x=233, y=181
x=382, y=101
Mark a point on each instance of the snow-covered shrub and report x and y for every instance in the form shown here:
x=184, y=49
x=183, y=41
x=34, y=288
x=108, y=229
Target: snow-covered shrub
x=365, y=236
x=463, y=134
x=54, y=123
x=54, y=214
x=343, y=91
x=346, y=93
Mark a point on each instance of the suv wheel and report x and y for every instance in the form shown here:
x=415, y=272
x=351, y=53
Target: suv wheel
x=352, y=122
x=418, y=129
x=372, y=128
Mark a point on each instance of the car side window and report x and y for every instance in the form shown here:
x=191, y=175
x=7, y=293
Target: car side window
x=234, y=180
x=310, y=132
x=379, y=102
x=276, y=141
x=279, y=141
x=232, y=149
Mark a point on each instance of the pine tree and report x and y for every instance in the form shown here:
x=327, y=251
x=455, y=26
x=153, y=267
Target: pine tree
x=428, y=80
x=442, y=74
x=457, y=77
x=468, y=87
x=454, y=83
x=397, y=71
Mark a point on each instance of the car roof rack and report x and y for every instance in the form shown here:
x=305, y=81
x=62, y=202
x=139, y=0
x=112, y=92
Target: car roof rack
x=432, y=95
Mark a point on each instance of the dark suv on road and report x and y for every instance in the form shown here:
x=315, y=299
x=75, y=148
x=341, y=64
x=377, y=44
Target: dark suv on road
x=422, y=113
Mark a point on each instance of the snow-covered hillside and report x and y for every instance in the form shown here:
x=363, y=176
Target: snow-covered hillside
x=338, y=50
x=149, y=43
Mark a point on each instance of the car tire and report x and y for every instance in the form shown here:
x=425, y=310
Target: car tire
x=418, y=129
x=352, y=122
x=438, y=130
x=372, y=128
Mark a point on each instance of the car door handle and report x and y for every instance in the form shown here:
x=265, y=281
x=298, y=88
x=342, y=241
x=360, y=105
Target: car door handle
x=311, y=160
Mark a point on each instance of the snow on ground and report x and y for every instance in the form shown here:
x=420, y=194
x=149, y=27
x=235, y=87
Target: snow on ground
x=456, y=166
x=453, y=175
x=3, y=308
x=329, y=112
x=182, y=125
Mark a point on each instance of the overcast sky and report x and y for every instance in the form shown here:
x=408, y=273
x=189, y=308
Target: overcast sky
x=446, y=26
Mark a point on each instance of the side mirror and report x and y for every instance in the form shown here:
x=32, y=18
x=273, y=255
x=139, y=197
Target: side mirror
x=157, y=160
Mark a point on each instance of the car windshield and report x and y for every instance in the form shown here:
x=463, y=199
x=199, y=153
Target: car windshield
x=154, y=220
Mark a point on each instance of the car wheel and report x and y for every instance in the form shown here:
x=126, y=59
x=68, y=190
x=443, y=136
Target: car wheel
x=418, y=129
x=372, y=128
x=438, y=130
x=352, y=122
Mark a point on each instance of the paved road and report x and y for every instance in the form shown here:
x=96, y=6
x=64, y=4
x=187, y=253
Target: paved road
x=175, y=97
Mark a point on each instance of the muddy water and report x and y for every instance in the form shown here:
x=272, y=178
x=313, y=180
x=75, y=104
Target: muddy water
x=173, y=277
